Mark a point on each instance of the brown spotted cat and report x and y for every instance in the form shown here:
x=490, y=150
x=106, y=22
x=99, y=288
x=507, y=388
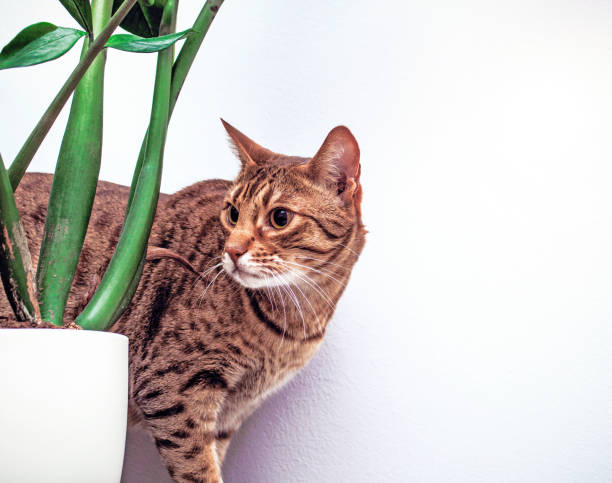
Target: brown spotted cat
x=272, y=252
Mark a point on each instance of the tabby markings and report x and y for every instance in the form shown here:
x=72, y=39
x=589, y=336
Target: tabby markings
x=152, y=394
x=328, y=234
x=181, y=434
x=165, y=413
x=158, y=308
x=263, y=318
x=209, y=378
x=165, y=443
x=271, y=325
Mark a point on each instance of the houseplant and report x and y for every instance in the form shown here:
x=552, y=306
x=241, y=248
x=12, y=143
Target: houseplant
x=38, y=298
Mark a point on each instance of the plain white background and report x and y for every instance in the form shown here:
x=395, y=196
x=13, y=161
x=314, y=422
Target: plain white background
x=474, y=341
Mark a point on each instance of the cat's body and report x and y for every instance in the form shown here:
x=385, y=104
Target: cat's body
x=206, y=350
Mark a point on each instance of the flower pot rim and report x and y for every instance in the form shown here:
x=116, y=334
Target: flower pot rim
x=43, y=332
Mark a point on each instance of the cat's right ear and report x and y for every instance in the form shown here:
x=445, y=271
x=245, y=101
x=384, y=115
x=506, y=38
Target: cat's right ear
x=336, y=165
x=248, y=151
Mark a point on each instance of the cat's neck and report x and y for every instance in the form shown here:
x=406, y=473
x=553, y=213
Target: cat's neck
x=295, y=311
x=301, y=311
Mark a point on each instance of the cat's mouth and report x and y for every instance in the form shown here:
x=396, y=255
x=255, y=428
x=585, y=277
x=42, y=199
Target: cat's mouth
x=253, y=275
x=242, y=275
x=246, y=278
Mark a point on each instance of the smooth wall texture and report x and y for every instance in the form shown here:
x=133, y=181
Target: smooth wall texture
x=473, y=342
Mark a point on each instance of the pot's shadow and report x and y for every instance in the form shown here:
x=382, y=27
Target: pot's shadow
x=142, y=463
x=271, y=441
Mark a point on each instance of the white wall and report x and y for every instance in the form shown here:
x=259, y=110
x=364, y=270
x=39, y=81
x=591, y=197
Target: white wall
x=473, y=343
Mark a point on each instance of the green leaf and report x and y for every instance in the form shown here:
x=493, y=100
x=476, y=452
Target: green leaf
x=38, y=43
x=143, y=19
x=81, y=12
x=134, y=43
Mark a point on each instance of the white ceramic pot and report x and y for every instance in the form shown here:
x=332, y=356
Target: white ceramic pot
x=63, y=405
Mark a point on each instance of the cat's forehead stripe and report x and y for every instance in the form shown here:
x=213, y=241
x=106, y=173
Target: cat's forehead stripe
x=250, y=189
x=256, y=185
x=265, y=197
x=237, y=194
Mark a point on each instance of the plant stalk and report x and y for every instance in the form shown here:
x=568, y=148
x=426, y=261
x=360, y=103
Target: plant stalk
x=74, y=184
x=109, y=299
x=15, y=262
x=181, y=68
x=25, y=155
x=190, y=48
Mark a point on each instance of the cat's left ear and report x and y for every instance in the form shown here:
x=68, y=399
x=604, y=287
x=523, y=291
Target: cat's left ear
x=248, y=151
x=336, y=165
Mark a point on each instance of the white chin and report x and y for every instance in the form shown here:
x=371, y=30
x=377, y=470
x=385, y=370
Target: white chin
x=253, y=280
x=249, y=281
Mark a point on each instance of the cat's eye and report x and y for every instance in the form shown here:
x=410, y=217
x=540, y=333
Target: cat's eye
x=232, y=215
x=280, y=218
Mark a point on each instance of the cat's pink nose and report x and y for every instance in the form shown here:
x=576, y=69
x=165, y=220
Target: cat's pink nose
x=235, y=251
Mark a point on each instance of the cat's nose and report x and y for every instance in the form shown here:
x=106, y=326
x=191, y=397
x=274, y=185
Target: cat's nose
x=235, y=251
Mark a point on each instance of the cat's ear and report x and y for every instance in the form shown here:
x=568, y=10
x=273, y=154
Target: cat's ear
x=248, y=151
x=336, y=165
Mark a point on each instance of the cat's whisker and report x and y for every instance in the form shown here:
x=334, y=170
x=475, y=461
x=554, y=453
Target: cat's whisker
x=203, y=274
x=265, y=288
x=269, y=293
x=290, y=270
x=280, y=294
x=325, y=273
x=330, y=273
x=206, y=272
x=284, y=313
x=295, y=273
x=294, y=299
x=316, y=270
x=208, y=286
x=348, y=248
x=316, y=287
x=283, y=289
x=324, y=262
x=220, y=262
x=212, y=260
x=309, y=281
x=201, y=277
x=274, y=302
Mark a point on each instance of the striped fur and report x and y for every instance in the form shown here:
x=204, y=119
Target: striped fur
x=205, y=350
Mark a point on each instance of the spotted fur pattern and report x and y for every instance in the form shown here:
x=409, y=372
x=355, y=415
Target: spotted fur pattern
x=206, y=349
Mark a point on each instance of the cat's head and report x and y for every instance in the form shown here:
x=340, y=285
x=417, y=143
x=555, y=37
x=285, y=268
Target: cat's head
x=287, y=217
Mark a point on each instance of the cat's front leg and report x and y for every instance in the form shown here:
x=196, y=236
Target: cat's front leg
x=186, y=438
x=222, y=442
x=203, y=467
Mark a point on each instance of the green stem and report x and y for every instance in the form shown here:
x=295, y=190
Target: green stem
x=191, y=47
x=144, y=8
x=180, y=70
x=25, y=155
x=129, y=291
x=181, y=67
x=15, y=261
x=103, y=308
x=74, y=183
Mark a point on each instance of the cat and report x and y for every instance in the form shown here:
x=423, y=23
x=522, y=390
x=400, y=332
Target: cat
x=272, y=252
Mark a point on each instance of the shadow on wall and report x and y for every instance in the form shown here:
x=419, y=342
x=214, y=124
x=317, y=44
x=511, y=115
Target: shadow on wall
x=265, y=445
x=142, y=462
